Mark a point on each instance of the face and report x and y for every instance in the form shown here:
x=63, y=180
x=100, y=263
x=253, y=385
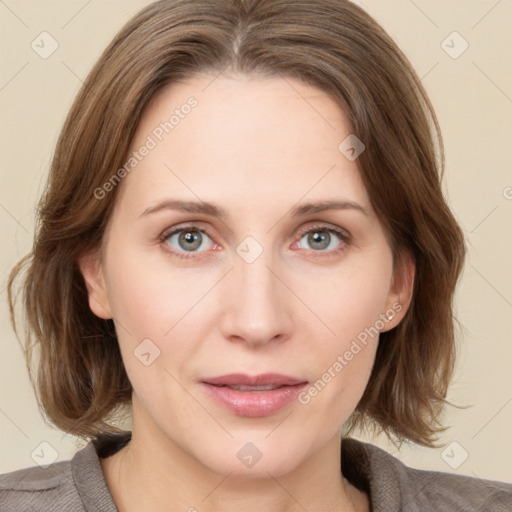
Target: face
x=273, y=284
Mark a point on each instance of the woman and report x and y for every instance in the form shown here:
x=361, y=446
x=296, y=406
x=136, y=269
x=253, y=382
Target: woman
x=293, y=148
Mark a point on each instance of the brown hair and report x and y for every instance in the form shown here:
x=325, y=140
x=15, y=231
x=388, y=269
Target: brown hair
x=331, y=44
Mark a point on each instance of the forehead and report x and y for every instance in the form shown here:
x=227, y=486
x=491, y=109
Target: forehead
x=251, y=138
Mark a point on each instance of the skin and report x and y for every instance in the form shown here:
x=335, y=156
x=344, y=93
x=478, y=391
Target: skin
x=257, y=147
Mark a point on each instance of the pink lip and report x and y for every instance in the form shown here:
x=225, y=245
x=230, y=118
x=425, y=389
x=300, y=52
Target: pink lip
x=254, y=403
x=264, y=379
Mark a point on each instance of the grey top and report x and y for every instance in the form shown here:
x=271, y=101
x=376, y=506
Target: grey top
x=78, y=485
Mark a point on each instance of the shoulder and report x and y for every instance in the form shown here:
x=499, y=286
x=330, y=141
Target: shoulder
x=77, y=484
x=39, y=489
x=459, y=492
x=395, y=486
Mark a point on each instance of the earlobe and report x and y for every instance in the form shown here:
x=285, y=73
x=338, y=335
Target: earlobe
x=92, y=272
x=401, y=291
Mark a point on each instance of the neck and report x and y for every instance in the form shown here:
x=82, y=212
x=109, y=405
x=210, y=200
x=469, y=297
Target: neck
x=153, y=473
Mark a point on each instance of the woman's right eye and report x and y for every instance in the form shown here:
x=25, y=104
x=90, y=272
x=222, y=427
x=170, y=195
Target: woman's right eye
x=188, y=239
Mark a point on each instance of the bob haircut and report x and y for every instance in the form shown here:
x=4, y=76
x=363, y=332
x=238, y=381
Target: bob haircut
x=80, y=380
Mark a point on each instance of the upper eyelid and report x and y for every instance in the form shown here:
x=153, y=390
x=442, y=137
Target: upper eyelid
x=326, y=226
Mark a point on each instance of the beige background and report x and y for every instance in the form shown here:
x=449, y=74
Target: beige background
x=473, y=98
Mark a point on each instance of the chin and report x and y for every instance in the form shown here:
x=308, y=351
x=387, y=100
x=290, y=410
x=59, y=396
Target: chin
x=251, y=459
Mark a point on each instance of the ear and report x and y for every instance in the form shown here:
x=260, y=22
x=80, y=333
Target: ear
x=91, y=268
x=401, y=291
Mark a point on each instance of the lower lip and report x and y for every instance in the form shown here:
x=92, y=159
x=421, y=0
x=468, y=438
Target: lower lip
x=254, y=403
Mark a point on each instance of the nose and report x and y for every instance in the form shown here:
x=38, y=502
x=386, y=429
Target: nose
x=256, y=303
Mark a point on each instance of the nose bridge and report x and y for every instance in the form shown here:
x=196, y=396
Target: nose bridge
x=257, y=310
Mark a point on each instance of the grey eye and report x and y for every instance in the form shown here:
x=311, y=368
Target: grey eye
x=187, y=239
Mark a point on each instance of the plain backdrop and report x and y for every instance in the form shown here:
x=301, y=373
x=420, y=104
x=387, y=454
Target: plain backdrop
x=462, y=50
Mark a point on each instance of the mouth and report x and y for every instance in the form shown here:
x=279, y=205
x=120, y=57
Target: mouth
x=240, y=387
x=253, y=396
x=266, y=380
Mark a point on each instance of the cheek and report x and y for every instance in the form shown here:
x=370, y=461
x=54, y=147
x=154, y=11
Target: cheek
x=351, y=307
x=151, y=308
x=149, y=297
x=158, y=311
x=351, y=300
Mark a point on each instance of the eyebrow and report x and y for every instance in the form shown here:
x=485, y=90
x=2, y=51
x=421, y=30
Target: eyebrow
x=216, y=211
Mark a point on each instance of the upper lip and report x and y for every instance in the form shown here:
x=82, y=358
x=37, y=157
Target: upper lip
x=264, y=379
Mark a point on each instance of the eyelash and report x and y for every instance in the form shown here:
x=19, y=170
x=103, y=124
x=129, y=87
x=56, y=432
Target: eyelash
x=342, y=234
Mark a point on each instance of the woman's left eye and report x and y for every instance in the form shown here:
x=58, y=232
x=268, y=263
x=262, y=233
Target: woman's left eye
x=191, y=239
x=321, y=239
